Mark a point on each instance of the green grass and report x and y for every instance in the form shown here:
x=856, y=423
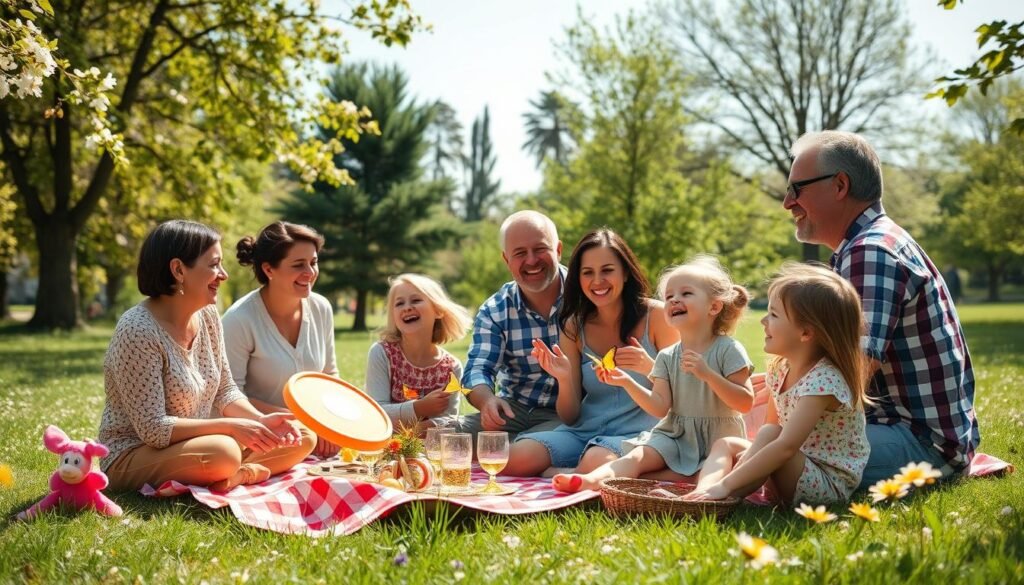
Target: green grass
x=58, y=379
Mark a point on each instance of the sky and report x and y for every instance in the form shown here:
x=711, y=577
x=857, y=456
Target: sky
x=496, y=53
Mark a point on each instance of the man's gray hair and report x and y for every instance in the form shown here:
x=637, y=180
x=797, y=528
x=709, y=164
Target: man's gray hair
x=530, y=216
x=849, y=153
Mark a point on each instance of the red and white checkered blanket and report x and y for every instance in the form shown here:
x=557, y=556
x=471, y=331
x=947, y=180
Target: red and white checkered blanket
x=299, y=503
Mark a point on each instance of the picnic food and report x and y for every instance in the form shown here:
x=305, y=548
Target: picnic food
x=455, y=386
x=607, y=362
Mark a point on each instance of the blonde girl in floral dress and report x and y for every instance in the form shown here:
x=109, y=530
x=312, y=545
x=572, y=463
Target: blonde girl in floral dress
x=407, y=370
x=813, y=447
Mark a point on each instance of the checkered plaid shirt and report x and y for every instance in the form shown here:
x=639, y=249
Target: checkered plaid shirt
x=925, y=380
x=499, y=357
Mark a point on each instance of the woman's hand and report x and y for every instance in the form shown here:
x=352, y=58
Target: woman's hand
x=553, y=361
x=283, y=425
x=253, y=435
x=634, y=357
x=433, y=404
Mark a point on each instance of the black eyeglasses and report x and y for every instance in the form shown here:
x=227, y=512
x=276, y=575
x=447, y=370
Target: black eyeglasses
x=793, y=190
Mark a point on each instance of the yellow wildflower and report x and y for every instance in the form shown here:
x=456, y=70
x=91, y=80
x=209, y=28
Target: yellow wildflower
x=6, y=477
x=918, y=474
x=819, y=514
x=866, y=512
x=758, y=552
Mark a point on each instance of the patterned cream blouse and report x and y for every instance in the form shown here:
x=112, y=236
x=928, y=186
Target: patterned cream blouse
x=151, y=381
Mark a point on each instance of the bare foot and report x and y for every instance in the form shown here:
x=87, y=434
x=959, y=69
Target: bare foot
x=247, y=474
x=572, y=483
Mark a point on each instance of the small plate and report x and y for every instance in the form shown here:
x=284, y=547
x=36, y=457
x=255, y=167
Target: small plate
x=356, y=471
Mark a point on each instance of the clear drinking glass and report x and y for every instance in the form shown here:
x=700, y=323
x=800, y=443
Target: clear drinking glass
x=370, y=458
x=456, y=459
x=492, y=453
x=432, y=445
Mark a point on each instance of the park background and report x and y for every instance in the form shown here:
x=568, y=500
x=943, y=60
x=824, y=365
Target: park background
x=668, y=122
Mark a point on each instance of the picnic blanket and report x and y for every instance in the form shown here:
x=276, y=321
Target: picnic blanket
x=299, y=503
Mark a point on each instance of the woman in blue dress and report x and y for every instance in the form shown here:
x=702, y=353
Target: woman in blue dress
x=606, y=304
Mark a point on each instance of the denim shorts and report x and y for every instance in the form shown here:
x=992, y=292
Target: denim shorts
x=892, y=447
x=566, y=447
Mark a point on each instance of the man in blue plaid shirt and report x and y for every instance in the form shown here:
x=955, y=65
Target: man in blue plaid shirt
x=509, y=388
x=923, y=382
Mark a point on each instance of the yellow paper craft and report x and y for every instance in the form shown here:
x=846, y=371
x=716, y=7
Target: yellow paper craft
x=455, y=386
x=607, y=362
x=409, y=393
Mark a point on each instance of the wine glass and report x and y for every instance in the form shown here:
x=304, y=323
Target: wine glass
x=492, y=453
x=432, y=445
x=456, y=459
x=370, y=458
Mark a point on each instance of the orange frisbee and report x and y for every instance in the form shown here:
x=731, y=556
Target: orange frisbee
x=337, y=411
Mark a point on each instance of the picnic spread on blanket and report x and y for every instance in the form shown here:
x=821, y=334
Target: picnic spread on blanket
x=380, y=470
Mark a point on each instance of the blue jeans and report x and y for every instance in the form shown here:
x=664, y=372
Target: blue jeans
x=892, y=447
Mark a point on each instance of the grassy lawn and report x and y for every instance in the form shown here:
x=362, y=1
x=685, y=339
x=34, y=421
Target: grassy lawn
x=977, y=526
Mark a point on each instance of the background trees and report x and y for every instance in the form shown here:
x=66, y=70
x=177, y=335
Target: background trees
x=390, y=219
x=768, y=71
x=200, y=88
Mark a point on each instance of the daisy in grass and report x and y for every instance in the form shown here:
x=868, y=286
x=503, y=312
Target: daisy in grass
x=888, y=489
x=918, y=474
x=866, y=512
x=820, y=515
x=758, y=552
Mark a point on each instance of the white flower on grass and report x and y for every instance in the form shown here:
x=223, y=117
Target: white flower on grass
x=607, y=549
x=927, y=533
x=758, y=552
x=1006, y=511
x=854, y=557
x=511, y=540
x=918, y=474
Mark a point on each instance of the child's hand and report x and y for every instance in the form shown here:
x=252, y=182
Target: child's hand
x=634, y=357
x=553, y=361
x=615, y=376
x=693, y=363
x=714, y=492
x=433, y=404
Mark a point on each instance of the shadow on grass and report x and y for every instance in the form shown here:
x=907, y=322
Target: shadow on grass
x=996, y=342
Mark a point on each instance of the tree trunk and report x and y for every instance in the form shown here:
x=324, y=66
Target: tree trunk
x=810, y=252
x=115, y=282
x=995, y=271
x=5, y=308
x=359, y=321
x=57, y=297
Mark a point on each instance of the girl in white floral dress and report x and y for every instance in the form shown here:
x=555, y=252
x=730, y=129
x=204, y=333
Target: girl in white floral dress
x=812, y=447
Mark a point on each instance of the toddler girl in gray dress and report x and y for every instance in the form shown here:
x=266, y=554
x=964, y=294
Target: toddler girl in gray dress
x=701, y=385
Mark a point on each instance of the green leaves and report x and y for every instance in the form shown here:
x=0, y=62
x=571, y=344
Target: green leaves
x=997, y=62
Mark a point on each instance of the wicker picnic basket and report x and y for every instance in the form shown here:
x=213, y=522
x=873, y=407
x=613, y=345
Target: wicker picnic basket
x=629, y=497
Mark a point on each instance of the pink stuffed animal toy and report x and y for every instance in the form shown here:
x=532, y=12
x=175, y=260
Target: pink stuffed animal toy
x=74, y=483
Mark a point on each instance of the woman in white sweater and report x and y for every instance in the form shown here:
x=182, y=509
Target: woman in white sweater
x=283, y=327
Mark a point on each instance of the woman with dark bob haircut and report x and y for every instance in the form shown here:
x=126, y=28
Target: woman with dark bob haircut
x=282, y=327
x=166, y=376
x=606, y=305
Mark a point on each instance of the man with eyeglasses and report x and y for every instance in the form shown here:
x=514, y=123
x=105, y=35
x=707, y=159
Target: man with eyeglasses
x=923, y=383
